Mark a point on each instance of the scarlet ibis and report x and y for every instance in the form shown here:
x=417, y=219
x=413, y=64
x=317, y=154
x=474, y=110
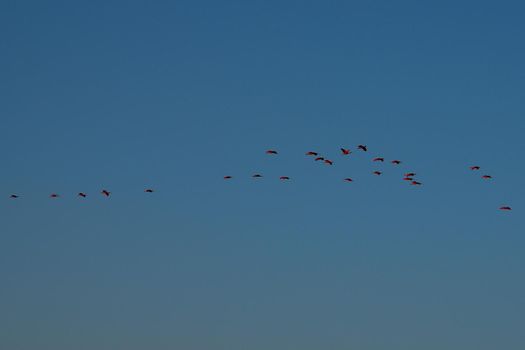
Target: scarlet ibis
x=486, y=177
x=14, y=196
x=378, y=159
x=377, y=173
x=505, y=208
x=348, y=179
x=362, y=147
x=408, y=178
x=54, y=195
x=311, y=153
x=271, y=151
x=475, y=167
x=82, y=194
x=227, y=177
x=396, y=162
x=345, y=151
x=410, y=174
x=284, y=178
x=328, y=161
x=415, y=183
x=257, y=175
x=148, y=190
x=105, y=193
x=319, y=158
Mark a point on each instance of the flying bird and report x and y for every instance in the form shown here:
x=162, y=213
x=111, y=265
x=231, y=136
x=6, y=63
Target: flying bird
x=475, y=167
x=378, y=159
x=257, y=175
x=505, y=208
x=348, y=179
x=328, y=161
x=362, y=147
x=377, y=173
x=227, y=177
x=486, y=177
x=105, y=193
x=271, y=151
x=396, y=162
x=319, y=158
x=408, y=178
x=14, y=196
x=82, y=194
x=54, y=195
x=284, y=178
x=311, y=153
x=415, y=183
x=345, y=151
x=148, y=190
x=410, y=174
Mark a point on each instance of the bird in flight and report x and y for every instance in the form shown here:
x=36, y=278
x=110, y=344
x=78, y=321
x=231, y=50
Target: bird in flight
x=319, y=158
x=227, y=177
x=311, y=153
x=406, y=178
x=396, y=162
x=348, y=179
x=505, y=208
x=410, y=174
x=362, y=147
x=415, y=183
x=377, y=173
x=378, y=159
x=105, y=193
x=345, y=151
x=474, y=167
x=486, y=177
x=148, y=190
x=271, y=151
x=284, y=178
x=257, y=175
x=54, y=195
x=82, y=194
x=14, y=196
x=328, y=161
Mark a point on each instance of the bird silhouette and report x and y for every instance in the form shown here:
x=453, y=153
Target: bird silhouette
x=415, y=183
x=348, y=179
x=284, y=178
x=505, y=208
x=408, y=178
x=328, y=161
x=82, y=194
x=378, y=159
x=345, y=151
x=227, y=177
x=363, y=148
x=486, y=177
x=14, y=196
x=311, y=153
x=377, y=173
x=257, y=175
x=475, y=167
x=396, y=162
x=410, y=174
x=271, y=151
x=148, y=190
x=105, y=193
x=319, y=158
x=54, y=195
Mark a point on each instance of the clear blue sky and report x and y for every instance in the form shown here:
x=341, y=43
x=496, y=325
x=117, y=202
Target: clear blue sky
x=175, y=94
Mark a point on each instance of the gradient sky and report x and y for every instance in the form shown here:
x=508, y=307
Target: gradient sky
x=174, y=95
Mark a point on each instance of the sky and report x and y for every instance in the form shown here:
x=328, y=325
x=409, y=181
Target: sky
x=173, y=95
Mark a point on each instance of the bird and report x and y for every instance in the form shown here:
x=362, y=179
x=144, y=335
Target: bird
x=311, y=153
x=319, y=158
x=105, y=193
x=378, y=159
x=14, y=196
x=82, y=194
x=54, y=195
x=486, y=177
x=271, y=151
x=474, y=167
x=328, y=161
x=284, y=178
x=362, y=147
x=345, y=151
x=257, y=175
x=396, y=162
x=227, y=177
x=348, y=179
x=505, y=208
x=408, y=178
x=410, y=174
x=377, y=173
x=148, y=190
x=415, y=183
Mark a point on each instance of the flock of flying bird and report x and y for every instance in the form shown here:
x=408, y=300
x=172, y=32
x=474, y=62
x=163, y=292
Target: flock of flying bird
x=409, y=177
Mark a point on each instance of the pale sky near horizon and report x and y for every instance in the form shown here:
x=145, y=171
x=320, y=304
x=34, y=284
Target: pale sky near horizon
x=174, y=95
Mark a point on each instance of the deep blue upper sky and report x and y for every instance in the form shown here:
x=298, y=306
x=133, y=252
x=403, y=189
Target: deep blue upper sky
x=174, y=95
